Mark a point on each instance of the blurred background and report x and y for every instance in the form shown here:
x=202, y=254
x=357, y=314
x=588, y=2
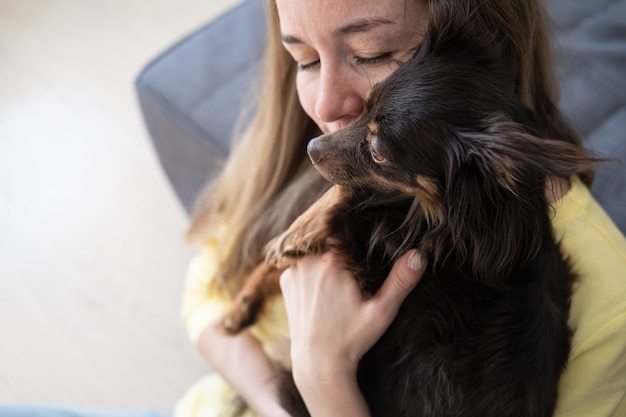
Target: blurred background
x=92, y=253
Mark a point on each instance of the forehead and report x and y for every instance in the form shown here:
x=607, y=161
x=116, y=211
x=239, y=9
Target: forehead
x=313, y=20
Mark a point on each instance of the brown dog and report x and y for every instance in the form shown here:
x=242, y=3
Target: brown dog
x=447, y=160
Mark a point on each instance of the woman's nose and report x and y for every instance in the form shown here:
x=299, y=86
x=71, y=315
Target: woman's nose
x=339, y=100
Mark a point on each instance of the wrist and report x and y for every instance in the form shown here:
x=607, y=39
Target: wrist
x=262, y=398
x=267, y=406
x=320, y=374
x=242, y=363
x=330, y=394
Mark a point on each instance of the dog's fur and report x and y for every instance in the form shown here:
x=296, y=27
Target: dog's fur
x=446, y=160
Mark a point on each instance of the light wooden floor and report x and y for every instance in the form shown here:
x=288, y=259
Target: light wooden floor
x=92, y=256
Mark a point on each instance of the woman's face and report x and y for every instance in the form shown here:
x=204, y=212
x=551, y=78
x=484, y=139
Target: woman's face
x=344, y=47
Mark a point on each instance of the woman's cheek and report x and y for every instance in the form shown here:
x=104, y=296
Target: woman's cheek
x=307, y=90
x=380, y=73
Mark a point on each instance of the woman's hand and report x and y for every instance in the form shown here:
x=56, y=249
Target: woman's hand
x=332, y=326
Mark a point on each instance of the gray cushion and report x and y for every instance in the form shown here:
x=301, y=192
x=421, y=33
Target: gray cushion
x=592, y=71
x=190, y=95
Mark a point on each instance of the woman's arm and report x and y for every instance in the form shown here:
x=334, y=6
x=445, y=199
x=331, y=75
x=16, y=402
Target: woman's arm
x=242, y=363
x=239, y=359
x=332, y=326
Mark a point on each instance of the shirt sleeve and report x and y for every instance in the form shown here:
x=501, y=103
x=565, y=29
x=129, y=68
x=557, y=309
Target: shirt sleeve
x=594, y=383
x=203, y=303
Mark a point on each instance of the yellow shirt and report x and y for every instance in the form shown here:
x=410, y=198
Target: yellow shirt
x=594, y=382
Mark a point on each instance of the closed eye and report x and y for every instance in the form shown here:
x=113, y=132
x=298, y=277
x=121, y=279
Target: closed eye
x=308, y=66
x=373, y=60
x=359, y=61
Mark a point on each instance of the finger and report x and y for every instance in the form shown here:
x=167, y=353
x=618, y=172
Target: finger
x=404, y=276
x=285, y=281
x=289, y=290
x=290, y=298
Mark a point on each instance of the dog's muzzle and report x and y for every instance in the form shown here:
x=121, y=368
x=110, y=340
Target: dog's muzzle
x=314, y=153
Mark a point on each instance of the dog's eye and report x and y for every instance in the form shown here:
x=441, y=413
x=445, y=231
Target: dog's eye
x=374, y=150
x=376, y=157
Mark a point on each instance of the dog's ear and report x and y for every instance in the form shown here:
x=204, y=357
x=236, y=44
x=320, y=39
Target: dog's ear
x=496, y=194
x=515, y=158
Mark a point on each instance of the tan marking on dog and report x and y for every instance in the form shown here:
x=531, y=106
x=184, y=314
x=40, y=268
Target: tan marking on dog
x=432, y=210
x=368, y=95
x=429, y=194
x=372, y=127
x=428, y=185
x=388, y=184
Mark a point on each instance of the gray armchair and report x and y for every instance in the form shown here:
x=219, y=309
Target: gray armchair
x=191, y=94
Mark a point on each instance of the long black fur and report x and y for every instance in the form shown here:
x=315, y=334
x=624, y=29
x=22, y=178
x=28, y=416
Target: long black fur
x=447, y=160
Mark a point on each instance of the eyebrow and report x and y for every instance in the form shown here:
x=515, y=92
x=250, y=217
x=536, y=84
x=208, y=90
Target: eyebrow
x=359, y=26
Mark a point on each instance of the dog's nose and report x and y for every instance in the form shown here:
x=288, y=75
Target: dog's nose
x=313, y=151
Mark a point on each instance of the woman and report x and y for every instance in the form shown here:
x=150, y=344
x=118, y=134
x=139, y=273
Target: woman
x=320, y=60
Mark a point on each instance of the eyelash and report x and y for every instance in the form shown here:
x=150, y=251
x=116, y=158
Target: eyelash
x=359, y=60
x=374, y=60
x=305, y=67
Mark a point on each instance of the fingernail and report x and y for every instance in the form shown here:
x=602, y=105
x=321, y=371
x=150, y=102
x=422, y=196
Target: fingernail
x=415, y=261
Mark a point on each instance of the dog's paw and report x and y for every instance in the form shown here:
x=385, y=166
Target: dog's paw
x=307, y=235
x=242, y=314
x=262, y=283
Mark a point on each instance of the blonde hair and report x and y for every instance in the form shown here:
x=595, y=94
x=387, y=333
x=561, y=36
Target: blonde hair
x=263, y=165
x=268, y=180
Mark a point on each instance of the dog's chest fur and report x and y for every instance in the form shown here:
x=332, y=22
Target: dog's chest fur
x=459, y=347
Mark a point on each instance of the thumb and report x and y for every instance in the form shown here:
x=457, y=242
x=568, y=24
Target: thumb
x=404, y=276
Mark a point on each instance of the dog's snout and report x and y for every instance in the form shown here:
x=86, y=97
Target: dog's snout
x=314, y=152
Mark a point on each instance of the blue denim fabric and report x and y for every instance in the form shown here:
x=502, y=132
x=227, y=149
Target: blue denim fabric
x=21, y=410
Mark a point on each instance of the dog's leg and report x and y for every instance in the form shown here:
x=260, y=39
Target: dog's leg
x=261, y=284
x=309, y=233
